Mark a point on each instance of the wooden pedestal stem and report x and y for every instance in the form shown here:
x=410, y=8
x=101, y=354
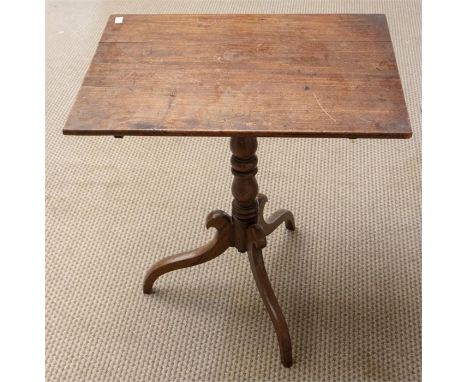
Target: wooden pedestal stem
x=245, y=230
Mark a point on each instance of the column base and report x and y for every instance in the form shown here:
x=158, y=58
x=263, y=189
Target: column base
x=243, y=237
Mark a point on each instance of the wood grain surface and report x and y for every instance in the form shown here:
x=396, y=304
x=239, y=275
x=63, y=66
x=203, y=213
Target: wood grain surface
x=243, y=75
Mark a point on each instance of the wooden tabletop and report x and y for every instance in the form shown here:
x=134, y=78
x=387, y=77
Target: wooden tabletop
x=243, y=75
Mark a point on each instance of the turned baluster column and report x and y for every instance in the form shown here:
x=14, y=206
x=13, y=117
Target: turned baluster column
x=244, y=187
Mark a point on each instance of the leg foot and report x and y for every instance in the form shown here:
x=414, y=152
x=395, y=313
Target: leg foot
x=268, y=297
x=217, y=219
x=278, y=217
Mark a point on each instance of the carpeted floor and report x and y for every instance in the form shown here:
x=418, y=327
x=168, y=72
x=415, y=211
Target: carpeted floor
x=348, y=279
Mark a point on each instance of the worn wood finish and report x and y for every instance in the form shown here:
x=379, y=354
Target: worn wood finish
x=243, y=75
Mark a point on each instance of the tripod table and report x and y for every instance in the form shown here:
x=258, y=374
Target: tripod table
x=242, y=76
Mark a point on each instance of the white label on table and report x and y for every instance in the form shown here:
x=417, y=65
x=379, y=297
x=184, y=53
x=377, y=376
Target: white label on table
x=119, y=20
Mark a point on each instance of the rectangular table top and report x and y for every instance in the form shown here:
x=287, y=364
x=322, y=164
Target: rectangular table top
x=332, y=75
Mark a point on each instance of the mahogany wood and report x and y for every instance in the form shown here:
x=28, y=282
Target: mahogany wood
x=271, y=303
x=243, y=75
x=217, y=219
x=246, y=230
x=244, y=187
x=275, y=219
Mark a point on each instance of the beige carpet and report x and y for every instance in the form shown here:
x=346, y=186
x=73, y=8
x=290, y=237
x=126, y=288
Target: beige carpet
x=348, y=279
